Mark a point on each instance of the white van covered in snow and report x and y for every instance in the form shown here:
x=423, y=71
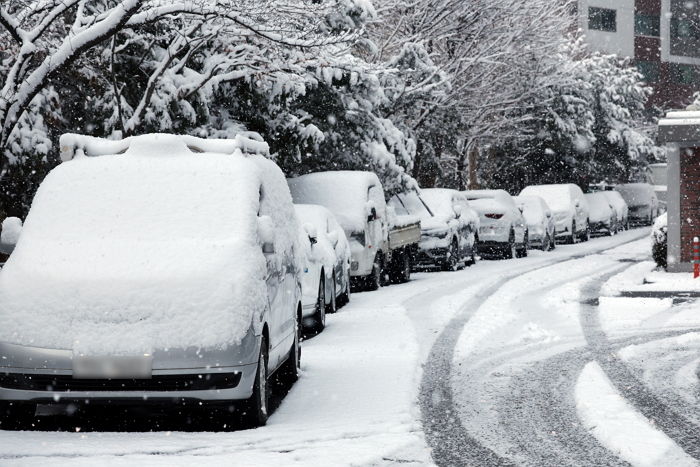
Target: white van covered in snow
x=163, y=268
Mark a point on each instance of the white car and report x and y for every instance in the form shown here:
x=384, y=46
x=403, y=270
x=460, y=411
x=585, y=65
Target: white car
x=164, y=269
x=326, y=278
x=569, y=208
x=449, y=228
x=503, y=231
x=620, y=207
x=540, y=222
x=642, y=202
x=602, y=215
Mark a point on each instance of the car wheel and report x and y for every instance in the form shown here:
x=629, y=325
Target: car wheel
x=288, y=373
x=255, y=409
x=452, y=260
x=319, y=316
x=574, y=238
x=332, y=307
x=472, y=255
x=552, y=241
x=344, y=298
x=546, y=243
x=511, y=250
x=522, y=253
x=586, y=234
x=404, y=272
x=374, y=280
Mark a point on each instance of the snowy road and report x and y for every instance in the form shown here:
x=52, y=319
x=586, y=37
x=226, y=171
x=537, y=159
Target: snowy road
x=511, y=362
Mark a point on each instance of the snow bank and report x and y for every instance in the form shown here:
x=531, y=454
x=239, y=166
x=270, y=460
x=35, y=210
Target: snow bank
x=131, y=253
x=619, y=427
x=629, y=279
x=344, y=193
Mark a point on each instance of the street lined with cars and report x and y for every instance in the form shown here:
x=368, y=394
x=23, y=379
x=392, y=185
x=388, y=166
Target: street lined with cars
x=197, y=300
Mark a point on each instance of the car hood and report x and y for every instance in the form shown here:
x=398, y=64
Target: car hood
x=131, y=298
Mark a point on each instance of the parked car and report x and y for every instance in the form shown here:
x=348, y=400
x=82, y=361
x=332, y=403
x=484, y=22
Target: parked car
x=569, y=208
x=539, y=220
x=602, y=215
x=449, y=228
x=503, y=231
x=642, y=202
x=620, y=207
x=381, y=252
x=326, y=279
x=182, y=284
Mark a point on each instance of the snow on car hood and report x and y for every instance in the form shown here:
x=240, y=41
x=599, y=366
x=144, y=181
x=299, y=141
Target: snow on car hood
x=123, y=255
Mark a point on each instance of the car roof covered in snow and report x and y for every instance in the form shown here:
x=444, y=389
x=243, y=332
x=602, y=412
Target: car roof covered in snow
x=145, y=249
x=343, y=192
x=558, y=196
x=501, y=196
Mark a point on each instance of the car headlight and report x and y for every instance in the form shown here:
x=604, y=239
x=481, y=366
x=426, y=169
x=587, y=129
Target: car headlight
x=441, y=233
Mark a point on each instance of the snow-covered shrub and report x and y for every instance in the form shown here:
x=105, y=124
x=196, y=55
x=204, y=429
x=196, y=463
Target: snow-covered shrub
x=659, y=239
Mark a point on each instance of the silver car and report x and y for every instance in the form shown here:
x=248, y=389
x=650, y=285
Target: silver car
x=168, y=273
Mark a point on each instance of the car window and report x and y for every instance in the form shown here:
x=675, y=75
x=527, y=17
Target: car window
x=399, y=206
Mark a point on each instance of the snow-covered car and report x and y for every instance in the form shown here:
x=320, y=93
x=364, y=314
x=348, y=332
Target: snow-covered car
x=503, y=231
x=449, y=237
x=379, y=250
x=166, y=269
x=620, y=207
x=642, y=202
x=539, y=220
x=569, y=208
x=449, y=227
x=602, y=215
x=326, y=279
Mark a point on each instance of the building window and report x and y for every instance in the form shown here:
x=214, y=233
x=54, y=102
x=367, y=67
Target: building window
x=683, y=74
x=646, y=25
x=602, y=19
x=649, y=70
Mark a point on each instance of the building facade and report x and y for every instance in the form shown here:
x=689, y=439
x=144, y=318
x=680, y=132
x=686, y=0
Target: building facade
x=662, y=37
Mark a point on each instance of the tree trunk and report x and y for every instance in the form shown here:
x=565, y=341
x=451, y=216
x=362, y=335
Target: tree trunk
x=472, y=157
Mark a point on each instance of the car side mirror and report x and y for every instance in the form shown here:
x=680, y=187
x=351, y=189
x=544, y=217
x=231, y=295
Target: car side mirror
x=521, y=209
x=11, y=230
x=372, y=216
x=458, y=211
x=549, y=214
x=577, y=203
x=311, y=231
x=333, y=238
x=266, y=234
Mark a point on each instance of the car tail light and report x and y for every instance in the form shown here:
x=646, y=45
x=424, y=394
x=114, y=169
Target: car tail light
x=494, y=216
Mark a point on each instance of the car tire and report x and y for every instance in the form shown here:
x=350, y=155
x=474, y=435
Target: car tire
x=586, y=234
x=332, y=307
x=546, y=243
x=510, y=250
x=452, y=260
x=552, y=241
x=319, y=316
x=288, y=373
x=374, y=280
x=344, y=298
x=402, y=269
x=573, y=238
x=255, y=409
x=522, y=251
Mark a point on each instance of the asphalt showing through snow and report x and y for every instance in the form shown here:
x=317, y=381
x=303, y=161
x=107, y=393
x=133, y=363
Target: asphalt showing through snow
x=536, y=408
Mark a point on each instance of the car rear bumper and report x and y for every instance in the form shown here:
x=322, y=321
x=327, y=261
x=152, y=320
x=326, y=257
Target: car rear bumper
x=430, y=257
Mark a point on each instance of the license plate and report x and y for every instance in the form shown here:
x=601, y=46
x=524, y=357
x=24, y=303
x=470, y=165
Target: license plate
x=121, y=367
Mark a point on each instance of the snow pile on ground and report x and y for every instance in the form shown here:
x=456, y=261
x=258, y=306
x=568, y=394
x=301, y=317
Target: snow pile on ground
x=619, y=314
x=131, y=253
x=628, y=279
x=621, y=429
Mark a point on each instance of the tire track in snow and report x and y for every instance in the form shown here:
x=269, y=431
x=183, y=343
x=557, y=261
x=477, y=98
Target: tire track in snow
x=450, y=442
x=675, y=425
